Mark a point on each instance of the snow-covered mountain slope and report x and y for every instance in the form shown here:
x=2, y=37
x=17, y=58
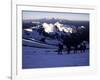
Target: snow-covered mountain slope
x=33, y=43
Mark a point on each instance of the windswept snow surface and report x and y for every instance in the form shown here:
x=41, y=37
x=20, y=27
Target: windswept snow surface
x=45, y=58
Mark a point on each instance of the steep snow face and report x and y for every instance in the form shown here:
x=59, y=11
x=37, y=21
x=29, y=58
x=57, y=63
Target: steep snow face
x=51, y=27
x=68, y=29
x=62, y=27
x=59, y=26
x=48, y=27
